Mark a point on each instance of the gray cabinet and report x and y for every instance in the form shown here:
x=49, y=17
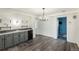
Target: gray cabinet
x=30, y=35
x=1, y=42
x=16, y=38
x=8, y=40
x=26, y=35
x=22, y=39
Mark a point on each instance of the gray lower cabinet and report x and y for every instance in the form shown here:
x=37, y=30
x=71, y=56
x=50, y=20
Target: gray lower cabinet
x=8, y=40
x=16, y=38
x=22, y=39
x=26, y=35
x=1, y=41
x=11, y=39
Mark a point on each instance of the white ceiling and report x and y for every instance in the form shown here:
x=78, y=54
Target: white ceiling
x=48, y=11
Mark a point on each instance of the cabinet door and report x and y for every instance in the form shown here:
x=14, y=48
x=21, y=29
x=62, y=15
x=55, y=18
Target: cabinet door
x=8, y=40
x=30, y=35
x=1, y=42
x=26, y=36
x=21, y=36
x=16, y=38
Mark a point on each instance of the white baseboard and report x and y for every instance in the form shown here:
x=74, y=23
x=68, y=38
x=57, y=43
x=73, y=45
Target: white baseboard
x=47, y=35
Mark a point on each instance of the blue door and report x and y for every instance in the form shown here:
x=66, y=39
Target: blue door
x=62, y=27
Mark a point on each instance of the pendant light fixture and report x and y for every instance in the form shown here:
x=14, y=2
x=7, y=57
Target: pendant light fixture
x=43, y=18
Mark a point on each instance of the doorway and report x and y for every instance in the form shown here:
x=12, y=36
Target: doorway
x=62, y=28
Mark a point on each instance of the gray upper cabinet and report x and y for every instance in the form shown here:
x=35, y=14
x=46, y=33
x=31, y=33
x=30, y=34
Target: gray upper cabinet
x=16, y=38
x=8, y=40
x=1, y=42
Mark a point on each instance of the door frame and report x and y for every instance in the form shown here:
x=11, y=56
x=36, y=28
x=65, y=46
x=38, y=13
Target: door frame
x=58, y=26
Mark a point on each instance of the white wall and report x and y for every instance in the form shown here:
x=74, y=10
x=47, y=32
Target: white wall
x=77, y=30
x=73, y=31
x=49, y=28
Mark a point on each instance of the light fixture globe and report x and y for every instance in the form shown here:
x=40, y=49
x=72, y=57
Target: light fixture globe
x=43, y=18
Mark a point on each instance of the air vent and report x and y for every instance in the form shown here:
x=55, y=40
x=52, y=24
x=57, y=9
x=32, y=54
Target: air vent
x=63, y=10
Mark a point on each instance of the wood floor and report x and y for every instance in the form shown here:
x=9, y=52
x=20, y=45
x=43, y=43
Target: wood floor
x=44, y=43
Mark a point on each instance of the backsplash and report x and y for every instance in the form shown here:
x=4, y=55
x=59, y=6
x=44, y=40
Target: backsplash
x=10, y=21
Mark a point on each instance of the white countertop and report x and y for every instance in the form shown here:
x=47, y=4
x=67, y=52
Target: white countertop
x=14, y=32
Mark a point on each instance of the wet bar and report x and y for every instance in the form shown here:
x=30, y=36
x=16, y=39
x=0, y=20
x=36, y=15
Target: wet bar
x=13, y=37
